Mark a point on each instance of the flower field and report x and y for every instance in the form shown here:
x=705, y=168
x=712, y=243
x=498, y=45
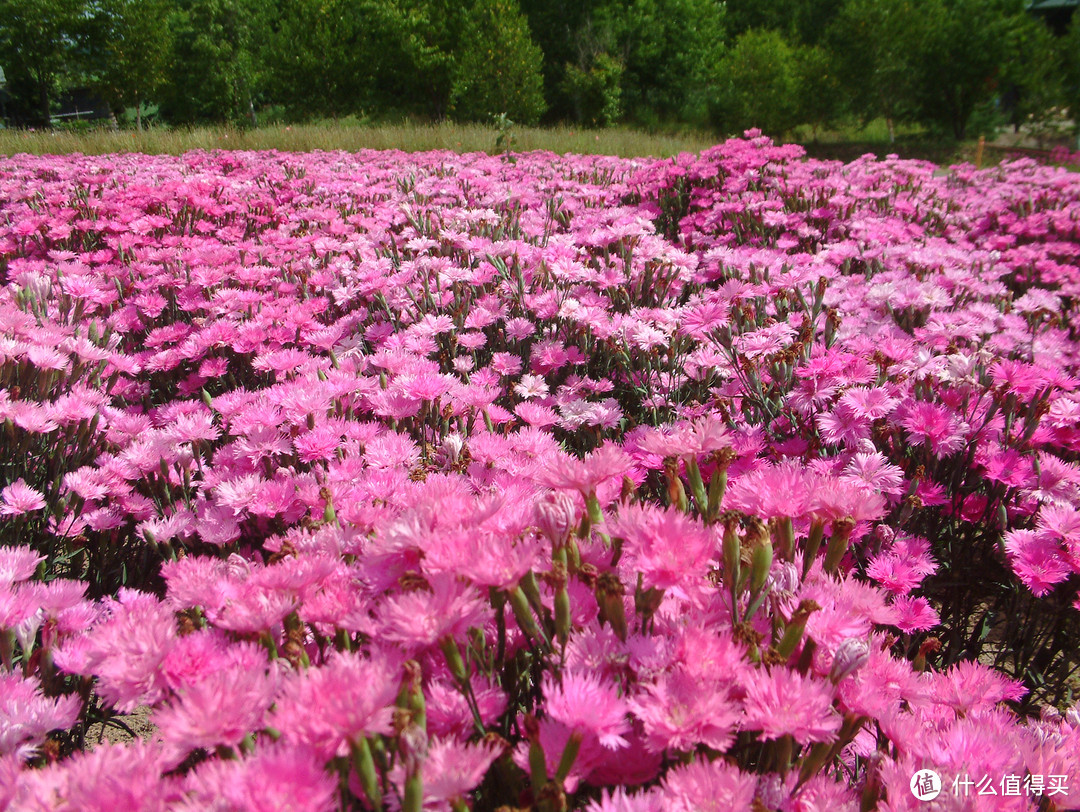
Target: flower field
x=532, y=482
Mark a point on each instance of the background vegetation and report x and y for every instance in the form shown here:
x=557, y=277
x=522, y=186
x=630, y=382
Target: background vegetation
x=951, y=68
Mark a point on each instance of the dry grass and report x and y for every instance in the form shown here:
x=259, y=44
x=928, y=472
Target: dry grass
x=409, y=137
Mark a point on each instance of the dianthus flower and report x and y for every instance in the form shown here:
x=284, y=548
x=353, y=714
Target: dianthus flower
x=782, y=702
x=330, y=706
x=585, y=704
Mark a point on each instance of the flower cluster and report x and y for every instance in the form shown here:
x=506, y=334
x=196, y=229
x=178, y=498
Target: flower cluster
x=436, y=482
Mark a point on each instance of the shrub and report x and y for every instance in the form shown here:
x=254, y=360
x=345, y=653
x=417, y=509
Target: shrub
x=758, y=85
x=498, y=66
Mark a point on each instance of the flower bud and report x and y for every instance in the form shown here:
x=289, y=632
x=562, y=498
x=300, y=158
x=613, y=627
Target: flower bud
x=452, y=446
x=364, y=764
x=555, y=515
x=609, y=599
x=850, y=656
x=838, y=544
x=731, y=551
x=761, y=563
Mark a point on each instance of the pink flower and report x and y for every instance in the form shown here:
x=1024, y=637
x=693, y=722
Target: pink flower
x=782, y=702
x=27, y=716
x=126, y=650
x=18, y=498
x=620, y=800
x=666, y=547
x=709, y=786
x=1037, y=559
x=934, y=425
x=679, y=712
x=422, y=618
x=453, y=768
x=220, y=708
x=108, y=778
x=914, y=614
x=277, y=777
x=968, y=687
x=448, y=711
x=334, y=704
x=563, y=472
x=585, y=704
x=17, y=564
x=771, y=491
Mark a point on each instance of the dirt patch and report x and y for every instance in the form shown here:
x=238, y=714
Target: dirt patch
x=136, y=725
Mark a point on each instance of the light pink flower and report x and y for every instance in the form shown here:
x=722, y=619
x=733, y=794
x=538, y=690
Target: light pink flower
x=18, y=498
x=329, y=706
x=781, y=702
x=589, y=706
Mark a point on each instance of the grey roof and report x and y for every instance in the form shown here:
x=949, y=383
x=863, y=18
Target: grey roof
x=1047, y=5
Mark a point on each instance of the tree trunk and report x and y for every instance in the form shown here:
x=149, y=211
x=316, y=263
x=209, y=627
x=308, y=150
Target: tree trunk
x=138, y=114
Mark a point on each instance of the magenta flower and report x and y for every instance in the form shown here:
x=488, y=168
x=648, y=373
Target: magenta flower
x=622, y=800
x=453, y=768
x=588, y=706
x=669, y=549
x=679, y=712
x=781, y=702
x=105, y=779
x=216, y=709
x=27, y=716
x=422, y=618
x=709, y=786
x=328, y=707
x=125, y=651
x=18, y=498
x=276, y=777
x=17, y=564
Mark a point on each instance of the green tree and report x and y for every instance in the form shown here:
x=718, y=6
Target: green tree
x=320, y=57
x=38, y=39
x=594, y=86
x=817, y=87
x=1070, y=61
x=877, y=45
x=761, y=87
x=1034, y=72
x=962, y=58
x=420, y=45
x=499, y=67
x=801, y=21
x=214, y=71
x=563, y=30
x=670, y=51
x=135, y=55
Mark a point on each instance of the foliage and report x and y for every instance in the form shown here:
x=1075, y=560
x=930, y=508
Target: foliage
x=499, y=67
x=669, y=50
x=136, y=55
x=1033, y=73
x=801, y=21
x=961, y=59
x=943, y=65
x=878, y=44
x=595, y=89
x=215, y=70
x=817, y=87
x=760, y=84
x=37, y=39
x=319, y=55
x=1070, y=51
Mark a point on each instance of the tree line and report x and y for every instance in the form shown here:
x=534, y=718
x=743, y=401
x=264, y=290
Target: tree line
x=948, y=65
